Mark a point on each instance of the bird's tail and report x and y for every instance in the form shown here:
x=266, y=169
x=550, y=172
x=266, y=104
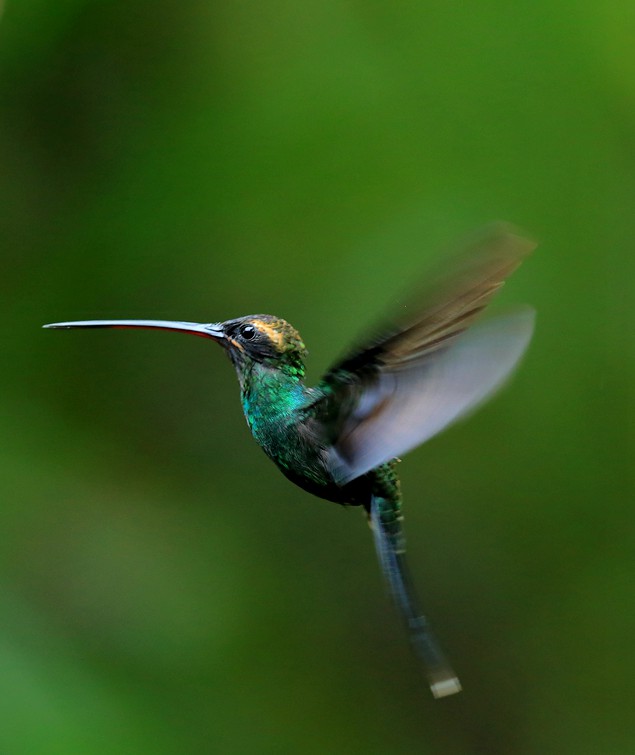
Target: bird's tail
x=385, y=520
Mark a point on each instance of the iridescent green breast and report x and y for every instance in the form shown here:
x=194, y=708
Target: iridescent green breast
x=272, y=402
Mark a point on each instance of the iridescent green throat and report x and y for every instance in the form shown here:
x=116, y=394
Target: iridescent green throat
x=271, y=400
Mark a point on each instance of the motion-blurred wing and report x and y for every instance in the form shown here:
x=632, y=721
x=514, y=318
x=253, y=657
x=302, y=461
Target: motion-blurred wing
x=414, y=380
x=403, y=408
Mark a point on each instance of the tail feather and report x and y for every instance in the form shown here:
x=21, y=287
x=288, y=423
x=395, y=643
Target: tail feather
x=390, y=545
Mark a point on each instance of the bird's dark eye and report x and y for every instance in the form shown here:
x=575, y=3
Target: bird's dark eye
x=248, y=332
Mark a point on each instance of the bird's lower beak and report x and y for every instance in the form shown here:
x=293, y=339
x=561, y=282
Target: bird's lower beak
x=212, y=330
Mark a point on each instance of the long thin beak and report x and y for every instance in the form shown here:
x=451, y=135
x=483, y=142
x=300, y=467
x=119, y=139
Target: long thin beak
x=213, y=330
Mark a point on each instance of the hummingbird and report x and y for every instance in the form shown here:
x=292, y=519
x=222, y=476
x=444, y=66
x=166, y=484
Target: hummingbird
x=340, y=440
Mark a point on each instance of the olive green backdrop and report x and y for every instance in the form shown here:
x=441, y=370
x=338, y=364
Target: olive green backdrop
x=163, y=589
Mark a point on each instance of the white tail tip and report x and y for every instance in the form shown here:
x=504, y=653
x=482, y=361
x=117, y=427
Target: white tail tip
x=445, y=687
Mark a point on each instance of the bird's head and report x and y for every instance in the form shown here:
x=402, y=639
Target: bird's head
x=262, y=339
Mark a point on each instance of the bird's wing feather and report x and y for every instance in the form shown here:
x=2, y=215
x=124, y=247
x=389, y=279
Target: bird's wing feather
x=402, y=409
x=416, y=378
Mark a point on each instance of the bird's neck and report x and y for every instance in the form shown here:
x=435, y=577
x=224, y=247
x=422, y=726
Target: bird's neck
x=271, y=398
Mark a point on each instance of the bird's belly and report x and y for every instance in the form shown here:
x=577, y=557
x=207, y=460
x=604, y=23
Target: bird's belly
x=354, y=493
x=298, y=452
x=305, y=464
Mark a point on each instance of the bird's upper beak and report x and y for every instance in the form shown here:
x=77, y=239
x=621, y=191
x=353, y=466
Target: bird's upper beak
x=212, y=330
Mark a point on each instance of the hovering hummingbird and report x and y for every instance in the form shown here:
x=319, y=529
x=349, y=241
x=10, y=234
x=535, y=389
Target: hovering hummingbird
x=340, y=439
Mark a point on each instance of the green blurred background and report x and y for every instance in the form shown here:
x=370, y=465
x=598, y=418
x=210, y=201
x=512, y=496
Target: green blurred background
x=163, y=588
